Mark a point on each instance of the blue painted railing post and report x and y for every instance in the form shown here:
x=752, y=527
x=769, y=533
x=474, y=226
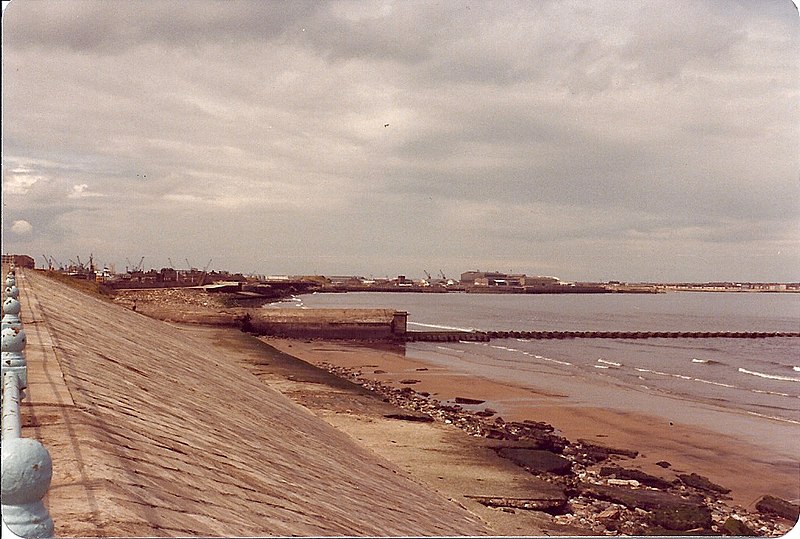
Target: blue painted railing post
x=27, y=469
x=11, y=308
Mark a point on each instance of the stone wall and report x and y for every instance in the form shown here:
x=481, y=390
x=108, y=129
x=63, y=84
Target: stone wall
x=356, y=324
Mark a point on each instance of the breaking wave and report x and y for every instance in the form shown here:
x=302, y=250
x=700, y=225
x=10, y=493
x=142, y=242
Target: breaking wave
x=785, y=420
x=451, y=328
x=681, y=376
x=706, y=361
x=769, y=376
x=608, y=363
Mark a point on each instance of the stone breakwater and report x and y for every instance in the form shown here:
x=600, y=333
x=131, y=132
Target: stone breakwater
x=483, y=336
x=601, y=491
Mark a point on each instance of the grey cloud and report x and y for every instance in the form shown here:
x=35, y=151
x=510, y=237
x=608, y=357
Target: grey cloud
x=510, y=125
x=114, y=26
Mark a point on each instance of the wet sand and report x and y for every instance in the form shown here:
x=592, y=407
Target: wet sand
x=749, y=470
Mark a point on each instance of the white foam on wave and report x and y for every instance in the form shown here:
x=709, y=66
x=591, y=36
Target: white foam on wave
x=609, y=363
x=601, y=366
x=523, y=352
x=681, y=376
x=713, y=383
x=778, y=393
x=695, y=360
x=292, y=301
x=468, y=330
x=769, y=376
x=450, y=349
x=783, y=419
x=796, y=369
x=506, y=348
x=553, y=360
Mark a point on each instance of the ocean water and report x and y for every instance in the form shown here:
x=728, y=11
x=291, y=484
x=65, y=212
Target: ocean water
x=759, y=378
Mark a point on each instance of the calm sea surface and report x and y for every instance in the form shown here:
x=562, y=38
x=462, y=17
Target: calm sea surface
x=755, y=377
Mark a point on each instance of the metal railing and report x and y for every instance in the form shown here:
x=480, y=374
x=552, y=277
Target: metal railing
x=26, y=465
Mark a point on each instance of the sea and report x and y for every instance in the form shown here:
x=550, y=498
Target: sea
x=751, y=385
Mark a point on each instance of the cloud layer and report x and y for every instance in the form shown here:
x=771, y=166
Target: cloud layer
x=645, y=141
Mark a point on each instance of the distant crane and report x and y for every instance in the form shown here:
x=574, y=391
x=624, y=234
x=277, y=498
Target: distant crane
x=427, y=275
x=171, y=265
x=205, y=269
x=443, y=276
x=48, y=261
x=130, y=268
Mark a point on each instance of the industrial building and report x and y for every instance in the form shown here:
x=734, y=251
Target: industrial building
x=487, y=278
x=20, y=261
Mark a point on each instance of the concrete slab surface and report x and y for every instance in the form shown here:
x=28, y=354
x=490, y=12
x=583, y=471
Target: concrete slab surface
x=155, y=433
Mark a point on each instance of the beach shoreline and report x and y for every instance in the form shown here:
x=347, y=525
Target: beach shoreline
x=749, y=470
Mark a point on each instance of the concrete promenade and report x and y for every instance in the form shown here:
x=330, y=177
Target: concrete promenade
x=153, y=433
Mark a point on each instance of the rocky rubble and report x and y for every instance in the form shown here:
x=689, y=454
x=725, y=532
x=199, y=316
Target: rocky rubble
x=602, y=495
x=184, y=298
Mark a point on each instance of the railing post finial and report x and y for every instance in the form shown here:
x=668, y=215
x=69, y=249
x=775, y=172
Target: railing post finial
x=13, y=354
x=12, y=291
x=27, y=472
x=11, y=309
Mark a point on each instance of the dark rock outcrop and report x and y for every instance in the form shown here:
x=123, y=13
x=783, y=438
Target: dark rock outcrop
x=536, y=460
x=553, y=504
x=648, y=500
x=466, y=400
x=594, y=446
x=702, y=483
x=732, y=526
x=776, y=506
x=638, y=475
x=683, y=518
x=410, y=416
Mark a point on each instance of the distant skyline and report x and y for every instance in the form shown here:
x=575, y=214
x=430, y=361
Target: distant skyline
x=636, y=141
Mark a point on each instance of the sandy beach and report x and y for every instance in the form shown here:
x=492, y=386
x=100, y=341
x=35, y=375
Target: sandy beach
x=750, y=471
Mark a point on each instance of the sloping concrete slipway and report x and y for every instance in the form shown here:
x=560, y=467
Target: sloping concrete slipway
x=153, y=434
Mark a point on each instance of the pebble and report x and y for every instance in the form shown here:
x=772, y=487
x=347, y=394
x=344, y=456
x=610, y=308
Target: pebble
x=628, y=482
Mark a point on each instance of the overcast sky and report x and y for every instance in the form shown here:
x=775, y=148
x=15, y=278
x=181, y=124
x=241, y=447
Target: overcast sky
x=590, y=140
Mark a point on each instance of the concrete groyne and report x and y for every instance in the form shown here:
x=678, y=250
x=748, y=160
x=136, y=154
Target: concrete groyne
x=349, y=324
